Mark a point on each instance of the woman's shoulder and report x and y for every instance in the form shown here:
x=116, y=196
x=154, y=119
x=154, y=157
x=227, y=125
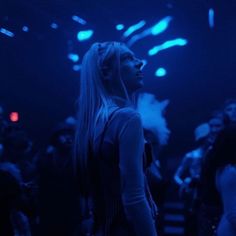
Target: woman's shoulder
x=127, y=112
x=126, y=117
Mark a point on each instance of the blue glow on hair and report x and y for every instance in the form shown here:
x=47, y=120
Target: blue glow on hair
x=161, y=26
x=120, y=27
x=25, y=28
x=134, y=28
x=7, y=32
x=211, y=18
x=166, y=45
x=79, y=20
x=160, y=72
x=73, y=57
x=84, y=35
x=54, y=25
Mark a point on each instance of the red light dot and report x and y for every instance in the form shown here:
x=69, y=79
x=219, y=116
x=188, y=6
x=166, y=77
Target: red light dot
x=14, y=116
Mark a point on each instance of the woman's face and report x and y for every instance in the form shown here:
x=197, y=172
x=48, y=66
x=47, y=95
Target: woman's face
x=130, y=70
x=230, y=111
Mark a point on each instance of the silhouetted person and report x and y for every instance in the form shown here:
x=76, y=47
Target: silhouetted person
x=12, y=219
x=57, y=190
x=210, y=207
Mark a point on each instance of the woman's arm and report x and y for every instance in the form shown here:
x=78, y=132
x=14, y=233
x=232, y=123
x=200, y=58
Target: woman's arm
x=131, y=147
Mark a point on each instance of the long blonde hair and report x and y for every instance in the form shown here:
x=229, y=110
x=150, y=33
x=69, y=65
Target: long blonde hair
x=95, y=97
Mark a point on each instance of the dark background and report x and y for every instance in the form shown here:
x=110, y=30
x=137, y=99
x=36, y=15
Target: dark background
x=38, y=81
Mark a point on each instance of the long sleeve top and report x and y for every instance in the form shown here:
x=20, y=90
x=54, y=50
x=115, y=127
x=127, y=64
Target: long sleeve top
x=122, y=151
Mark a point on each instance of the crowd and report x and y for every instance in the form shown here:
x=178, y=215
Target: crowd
x=100, y=173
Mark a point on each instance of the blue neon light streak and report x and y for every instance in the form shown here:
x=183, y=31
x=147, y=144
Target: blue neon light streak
x=161, y=26
x=166, y=45
x=54, y=25
x=120, y=27
x=7, y=32
x=156, y=29
x=79, y=20
x=84, y=35
x=25, y=28
x=73, y=57
x=211, y=18
x=160, y=72
x=134, y=28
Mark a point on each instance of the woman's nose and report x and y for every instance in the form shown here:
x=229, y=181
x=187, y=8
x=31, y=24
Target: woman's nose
x=139, y=63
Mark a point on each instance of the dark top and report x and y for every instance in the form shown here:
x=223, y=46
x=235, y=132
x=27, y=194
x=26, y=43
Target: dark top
x=119, y=155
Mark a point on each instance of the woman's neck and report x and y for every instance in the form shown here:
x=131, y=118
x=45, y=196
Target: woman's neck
x=121, y=102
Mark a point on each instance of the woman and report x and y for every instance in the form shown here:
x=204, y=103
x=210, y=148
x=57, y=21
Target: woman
x=110, y=145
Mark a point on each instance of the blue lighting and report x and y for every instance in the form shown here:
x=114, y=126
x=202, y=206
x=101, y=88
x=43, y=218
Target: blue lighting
x=154, y=30
x=25, y=29
x=77, y=67
x=7, y=32
x=160, y=72
x=166, y=45
x=134, y=28
x=211, y=16
x=84, y=35
x=120, y=27
x=79, y=20
x=161, y=26
x=73, y=57
x=54, y=25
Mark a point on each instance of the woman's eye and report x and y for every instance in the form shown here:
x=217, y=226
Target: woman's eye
x=128, y=57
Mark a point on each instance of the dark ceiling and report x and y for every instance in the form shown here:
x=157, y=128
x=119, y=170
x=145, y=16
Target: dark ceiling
x=38, y=81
